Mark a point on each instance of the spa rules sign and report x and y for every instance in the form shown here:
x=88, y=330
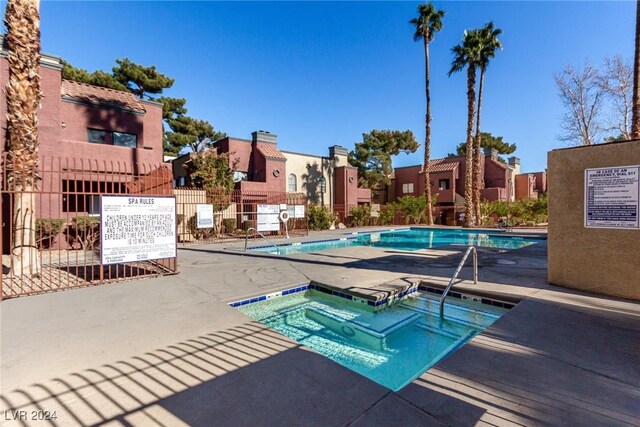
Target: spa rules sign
x=137, y=228
x=612, y=197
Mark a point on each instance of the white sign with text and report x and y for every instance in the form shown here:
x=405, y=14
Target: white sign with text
x=204, y=216
x=298, y=211
x=137, y=228
x=268, y=218
x=612, y=197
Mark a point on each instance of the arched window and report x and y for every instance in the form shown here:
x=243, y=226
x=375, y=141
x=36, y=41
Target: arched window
x=293, y=183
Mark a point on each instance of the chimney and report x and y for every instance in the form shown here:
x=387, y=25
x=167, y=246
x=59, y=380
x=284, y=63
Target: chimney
x=264, y=136
x=491, y=152
x=514, y=162
x=337, y=150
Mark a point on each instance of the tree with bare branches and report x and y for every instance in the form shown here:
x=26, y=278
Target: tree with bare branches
x=583, y=97
x=616, y=81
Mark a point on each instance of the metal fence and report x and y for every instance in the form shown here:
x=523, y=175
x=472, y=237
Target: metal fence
x=442, y=215
x=235, y=214
x=66, y=204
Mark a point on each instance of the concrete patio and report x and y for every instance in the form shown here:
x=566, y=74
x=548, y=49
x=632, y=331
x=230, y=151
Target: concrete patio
x=169, y=351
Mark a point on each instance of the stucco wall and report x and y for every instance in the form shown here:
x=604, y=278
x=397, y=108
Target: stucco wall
x=308, y=170
x=605, y=261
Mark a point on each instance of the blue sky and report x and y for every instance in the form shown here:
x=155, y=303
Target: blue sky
x=323, y=73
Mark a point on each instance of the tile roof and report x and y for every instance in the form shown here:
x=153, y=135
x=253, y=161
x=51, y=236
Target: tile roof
x=100, y=95
x=271, y=152
x=441, y=165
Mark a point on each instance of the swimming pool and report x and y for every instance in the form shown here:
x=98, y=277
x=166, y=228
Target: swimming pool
x=392, y=346
x=409, y=239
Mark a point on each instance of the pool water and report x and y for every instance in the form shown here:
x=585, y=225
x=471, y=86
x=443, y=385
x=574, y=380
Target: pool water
x=391, y=347
x=410, y=240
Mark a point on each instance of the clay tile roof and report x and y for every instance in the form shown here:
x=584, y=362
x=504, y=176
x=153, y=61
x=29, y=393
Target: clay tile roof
x=271, y=152
x=441, y=165
x=100, y=95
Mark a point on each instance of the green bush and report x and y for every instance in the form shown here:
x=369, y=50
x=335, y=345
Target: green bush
x=229, y=225
x=360, y=215
x=46, y=231
x=84, y=231
x=198, y=233
x=319, y=217
x=413, y=208
x=519, y=212
x=388, y=213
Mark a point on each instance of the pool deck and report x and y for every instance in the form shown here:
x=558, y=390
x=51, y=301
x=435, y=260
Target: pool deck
x=169, y=351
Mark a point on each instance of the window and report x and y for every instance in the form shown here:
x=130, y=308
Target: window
x=125, y=139
x=407, y=188
x=443, y=184
x=121, y=139
x=97, y=136
x=240, y=176
x=84, y=196
x=293, y=183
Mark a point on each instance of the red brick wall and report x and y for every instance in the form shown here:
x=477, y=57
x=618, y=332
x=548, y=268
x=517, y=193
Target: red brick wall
x=346, y=189
x=241, y=150
x=408, y=175
x=413, y=175
x=541, y=182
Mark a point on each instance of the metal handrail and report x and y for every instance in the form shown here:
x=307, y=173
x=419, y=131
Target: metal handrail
x=246, y=239
x=455, y=275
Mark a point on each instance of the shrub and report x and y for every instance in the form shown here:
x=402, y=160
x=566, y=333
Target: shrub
x=319, y=217
x=413, y=208
x=388, y=213
x=525, y=211
x=360, y=215
x=85, y=231
x=198, y=233
x=229, y=225
x=46, y=231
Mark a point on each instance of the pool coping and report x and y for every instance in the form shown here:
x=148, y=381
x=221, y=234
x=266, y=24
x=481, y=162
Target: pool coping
x=375, y=301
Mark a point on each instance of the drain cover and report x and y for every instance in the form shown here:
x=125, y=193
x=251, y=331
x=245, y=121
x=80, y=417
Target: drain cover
x=506, y=262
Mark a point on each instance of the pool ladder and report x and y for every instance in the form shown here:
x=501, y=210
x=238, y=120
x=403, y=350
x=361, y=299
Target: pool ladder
x=470, y=249
x=246, y=239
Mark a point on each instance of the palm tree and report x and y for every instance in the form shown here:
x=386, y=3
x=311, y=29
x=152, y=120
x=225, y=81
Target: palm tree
x=22, y=20
x=635, y=118
x=428, y=22
x=488, y=44
x=466, y=54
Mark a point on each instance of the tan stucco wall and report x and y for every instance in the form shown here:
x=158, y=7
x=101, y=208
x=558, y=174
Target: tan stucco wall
x=605, y=261
x=307, y=177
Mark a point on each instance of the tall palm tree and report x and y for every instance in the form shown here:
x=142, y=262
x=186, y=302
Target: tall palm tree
x=488, y=45
x=466, y=54
x=22, y=20
x=635, y=117
x=428, y=22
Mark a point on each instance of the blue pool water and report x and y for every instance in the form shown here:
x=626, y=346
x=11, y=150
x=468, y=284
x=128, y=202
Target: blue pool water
x=392, y=347
x=410, y=240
